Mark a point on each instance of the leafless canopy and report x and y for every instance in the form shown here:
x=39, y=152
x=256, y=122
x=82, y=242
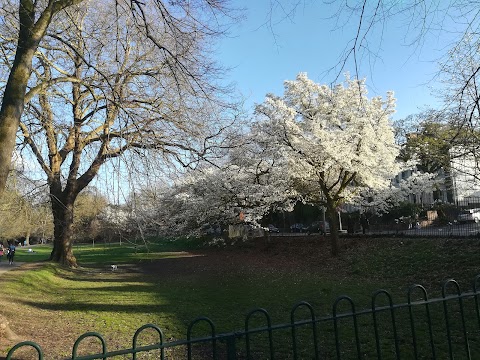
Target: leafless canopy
x=110, y=79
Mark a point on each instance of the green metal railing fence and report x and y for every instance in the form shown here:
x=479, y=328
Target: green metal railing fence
x=444, y=327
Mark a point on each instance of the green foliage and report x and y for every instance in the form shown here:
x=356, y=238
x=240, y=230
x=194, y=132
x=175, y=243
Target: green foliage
x=20, y=217
x=403, y=210
x=446, y=212
x=430, y=143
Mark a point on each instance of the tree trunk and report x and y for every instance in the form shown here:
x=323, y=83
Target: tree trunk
x=27, y=237
x=63, y=231
x=32, y=29
x=12, y=109
x=332, y=214
x=29, y=37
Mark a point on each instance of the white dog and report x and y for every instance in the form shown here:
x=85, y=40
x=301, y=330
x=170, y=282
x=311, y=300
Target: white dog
x=114, y=267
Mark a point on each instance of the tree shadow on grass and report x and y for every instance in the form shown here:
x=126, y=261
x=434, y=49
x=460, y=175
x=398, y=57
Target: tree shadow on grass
x=98, y=307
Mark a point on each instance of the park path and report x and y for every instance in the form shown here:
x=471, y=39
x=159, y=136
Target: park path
x=4, y=266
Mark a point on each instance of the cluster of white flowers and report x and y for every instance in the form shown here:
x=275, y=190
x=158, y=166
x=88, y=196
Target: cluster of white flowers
x=380, y=201
x=335, y=141
x=315, y=144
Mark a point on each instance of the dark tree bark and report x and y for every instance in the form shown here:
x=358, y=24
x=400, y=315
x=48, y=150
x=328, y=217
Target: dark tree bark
x=30, y=34
x=62, y=210
x=334, y=239
x=14, y=95
x=333, y=198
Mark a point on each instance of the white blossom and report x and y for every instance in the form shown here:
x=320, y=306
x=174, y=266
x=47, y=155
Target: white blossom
x=334, y=140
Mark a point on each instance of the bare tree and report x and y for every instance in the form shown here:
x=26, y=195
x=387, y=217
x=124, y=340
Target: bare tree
x=88, y=206
x=101, y=92
x=22, y=209
x=180, y=22
x=420, y=21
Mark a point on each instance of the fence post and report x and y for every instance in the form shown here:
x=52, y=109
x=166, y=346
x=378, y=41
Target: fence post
x=139, y=331
x=355, y=325
x=314, y=328
x=231, y=349
x=375, y=324
x=213, y=336
x=269, y=329
x=86, y=335
x=427, y=314
x=476, y=293
x=462, y=317
x=25, y=344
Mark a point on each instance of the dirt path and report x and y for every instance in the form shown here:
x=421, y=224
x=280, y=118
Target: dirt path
x=4, y=266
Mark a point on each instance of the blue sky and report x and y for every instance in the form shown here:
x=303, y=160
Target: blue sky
x=262, y=54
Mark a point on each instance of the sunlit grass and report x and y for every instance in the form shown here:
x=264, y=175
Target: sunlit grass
x=102, y=253
x=35, y=253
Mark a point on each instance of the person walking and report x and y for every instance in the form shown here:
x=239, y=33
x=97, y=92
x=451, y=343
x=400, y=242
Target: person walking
x=10, y=253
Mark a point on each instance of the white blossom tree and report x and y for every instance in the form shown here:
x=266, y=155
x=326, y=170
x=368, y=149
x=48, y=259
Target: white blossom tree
x=381, y=201
x=251, y=181
x=335, y=141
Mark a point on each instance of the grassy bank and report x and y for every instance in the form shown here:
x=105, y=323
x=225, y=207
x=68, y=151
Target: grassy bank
x=164, y=285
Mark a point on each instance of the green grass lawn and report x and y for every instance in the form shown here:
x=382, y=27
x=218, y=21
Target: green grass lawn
x=107, y=253
x=66, y=303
